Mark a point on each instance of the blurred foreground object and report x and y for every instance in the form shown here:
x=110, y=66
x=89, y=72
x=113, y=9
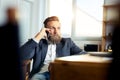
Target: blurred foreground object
x=9, y=44
x=115, y=66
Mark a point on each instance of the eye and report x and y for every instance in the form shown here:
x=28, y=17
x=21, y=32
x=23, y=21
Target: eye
x=58, y=28
x=51, y=28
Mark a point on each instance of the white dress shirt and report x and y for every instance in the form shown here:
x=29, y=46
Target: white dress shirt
x=50, y=56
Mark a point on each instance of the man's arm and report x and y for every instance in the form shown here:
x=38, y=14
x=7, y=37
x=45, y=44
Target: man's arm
x=28, y=49
x=75, y=49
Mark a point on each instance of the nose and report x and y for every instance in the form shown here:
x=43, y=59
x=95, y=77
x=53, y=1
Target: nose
x=55, y=30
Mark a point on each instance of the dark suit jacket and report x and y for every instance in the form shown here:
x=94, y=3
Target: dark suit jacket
x=37, y=52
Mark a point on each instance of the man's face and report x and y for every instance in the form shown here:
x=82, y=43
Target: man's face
x=54, y=31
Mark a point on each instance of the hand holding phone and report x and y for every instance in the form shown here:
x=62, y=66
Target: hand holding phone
x=44, y=33
x=47, y=33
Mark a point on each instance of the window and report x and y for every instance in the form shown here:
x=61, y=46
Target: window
x=88, y=19
x=81, y=19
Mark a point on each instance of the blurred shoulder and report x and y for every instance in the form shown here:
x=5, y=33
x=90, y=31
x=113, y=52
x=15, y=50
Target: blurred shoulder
x=66, y=39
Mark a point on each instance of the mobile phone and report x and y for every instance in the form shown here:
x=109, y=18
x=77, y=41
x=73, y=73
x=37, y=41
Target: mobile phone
x=47, y=34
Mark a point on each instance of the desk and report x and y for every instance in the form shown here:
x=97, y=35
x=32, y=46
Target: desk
x=80, y=67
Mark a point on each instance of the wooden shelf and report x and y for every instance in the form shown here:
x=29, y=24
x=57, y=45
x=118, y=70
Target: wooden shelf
x=112, y=5
x=109, y=20
x=107, y=37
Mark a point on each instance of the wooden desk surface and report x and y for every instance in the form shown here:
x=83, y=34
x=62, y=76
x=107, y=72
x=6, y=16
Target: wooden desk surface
x=84, y=58
x=80, y=67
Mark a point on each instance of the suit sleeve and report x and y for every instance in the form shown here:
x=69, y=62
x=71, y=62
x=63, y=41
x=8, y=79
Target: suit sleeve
x=74, y=49
x=27, y=50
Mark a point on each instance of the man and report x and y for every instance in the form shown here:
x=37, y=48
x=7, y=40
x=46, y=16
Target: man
x=46, y=46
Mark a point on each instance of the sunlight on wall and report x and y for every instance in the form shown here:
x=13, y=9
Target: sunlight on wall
x=85, y=21
x=62, y=9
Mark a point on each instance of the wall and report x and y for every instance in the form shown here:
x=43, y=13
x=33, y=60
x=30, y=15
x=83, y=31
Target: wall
x=33, y=13
x=29, y=20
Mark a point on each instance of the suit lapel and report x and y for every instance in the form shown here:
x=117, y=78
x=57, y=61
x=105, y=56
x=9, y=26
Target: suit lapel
x=59, y=50
x=44, y=49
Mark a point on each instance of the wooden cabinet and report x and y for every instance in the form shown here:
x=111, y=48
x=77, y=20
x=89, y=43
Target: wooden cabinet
x=111, y=16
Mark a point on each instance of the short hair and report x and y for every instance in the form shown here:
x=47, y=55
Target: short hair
x=52, y=18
